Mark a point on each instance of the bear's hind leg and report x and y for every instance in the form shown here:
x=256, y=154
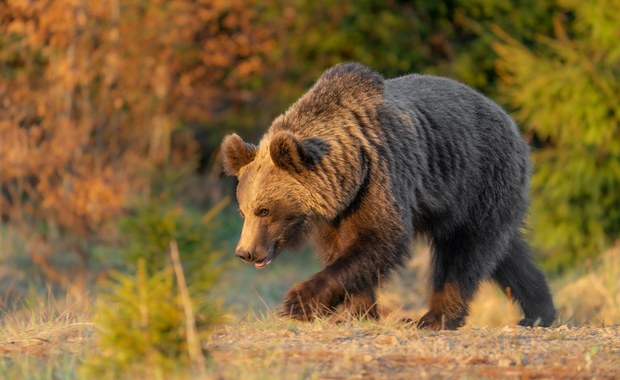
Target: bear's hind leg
x=527, y=284
x=459, y=264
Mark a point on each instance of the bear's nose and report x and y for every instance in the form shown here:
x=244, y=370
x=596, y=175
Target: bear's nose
x=244, y=255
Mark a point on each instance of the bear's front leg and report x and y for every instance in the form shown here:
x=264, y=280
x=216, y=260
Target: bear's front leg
x=362, y=305
x=319, y=296
x=351, y=279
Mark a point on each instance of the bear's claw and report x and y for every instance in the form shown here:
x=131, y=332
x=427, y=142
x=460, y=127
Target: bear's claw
x=294, y=308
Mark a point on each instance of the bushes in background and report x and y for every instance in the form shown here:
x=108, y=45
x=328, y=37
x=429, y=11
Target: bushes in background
x=565, y=90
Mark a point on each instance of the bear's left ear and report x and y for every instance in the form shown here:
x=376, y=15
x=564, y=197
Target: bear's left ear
x=236, y=154
x=294, y=155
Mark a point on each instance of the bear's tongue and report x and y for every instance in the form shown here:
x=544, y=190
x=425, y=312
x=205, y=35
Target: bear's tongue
x=267, y=260
x=263, y=263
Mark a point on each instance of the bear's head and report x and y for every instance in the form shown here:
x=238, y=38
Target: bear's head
x=274, y=202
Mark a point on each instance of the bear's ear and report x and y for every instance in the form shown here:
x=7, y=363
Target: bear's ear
x=236, y=154
x=294, y=155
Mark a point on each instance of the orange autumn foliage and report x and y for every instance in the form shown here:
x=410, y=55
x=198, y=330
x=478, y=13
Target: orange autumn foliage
x=93, y=95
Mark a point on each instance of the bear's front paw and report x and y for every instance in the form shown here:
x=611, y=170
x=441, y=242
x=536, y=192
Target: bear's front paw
x=301, y=303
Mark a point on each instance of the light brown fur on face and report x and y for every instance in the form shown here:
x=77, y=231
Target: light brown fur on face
x=263, y=188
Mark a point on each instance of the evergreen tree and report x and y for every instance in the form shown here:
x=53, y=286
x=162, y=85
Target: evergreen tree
x=567, y=94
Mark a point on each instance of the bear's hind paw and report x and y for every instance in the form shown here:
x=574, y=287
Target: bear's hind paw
x=435, y=321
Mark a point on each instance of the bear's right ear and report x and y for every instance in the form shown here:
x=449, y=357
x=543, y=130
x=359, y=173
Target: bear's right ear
x=294, y=155
x=236, y=154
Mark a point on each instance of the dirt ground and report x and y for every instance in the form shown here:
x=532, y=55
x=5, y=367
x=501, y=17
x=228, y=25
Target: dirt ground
x=274, y=348
x=288, y=350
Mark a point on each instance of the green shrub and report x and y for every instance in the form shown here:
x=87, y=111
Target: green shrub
x=150, y=230
x=146, y=313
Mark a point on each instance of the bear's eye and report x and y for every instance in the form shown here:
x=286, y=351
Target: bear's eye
x=262, y=212
x=241, y=213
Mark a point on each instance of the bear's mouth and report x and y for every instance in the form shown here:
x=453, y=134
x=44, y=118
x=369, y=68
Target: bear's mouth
x=270, y=257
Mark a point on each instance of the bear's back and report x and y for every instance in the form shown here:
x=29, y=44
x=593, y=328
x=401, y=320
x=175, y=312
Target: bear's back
x=441, y=113
x=447, y=104
x=465, y=145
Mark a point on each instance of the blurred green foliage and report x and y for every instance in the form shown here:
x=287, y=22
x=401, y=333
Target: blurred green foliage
x=141, y=326
x=140, y=312
x=566, y=91
x=149, y=232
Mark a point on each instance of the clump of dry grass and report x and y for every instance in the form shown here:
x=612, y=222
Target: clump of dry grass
x=46, y=323
x=44, y=337
x=594, y=296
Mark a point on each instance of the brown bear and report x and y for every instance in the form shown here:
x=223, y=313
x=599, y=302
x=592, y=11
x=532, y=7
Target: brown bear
x=359, y=165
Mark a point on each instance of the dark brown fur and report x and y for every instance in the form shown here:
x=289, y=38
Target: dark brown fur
x=359, y=165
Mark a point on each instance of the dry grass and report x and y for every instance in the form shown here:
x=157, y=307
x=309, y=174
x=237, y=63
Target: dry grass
x=593, y=297
x=273, y=348
x=584, y=343
x=44, y=338
x=489, y=346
